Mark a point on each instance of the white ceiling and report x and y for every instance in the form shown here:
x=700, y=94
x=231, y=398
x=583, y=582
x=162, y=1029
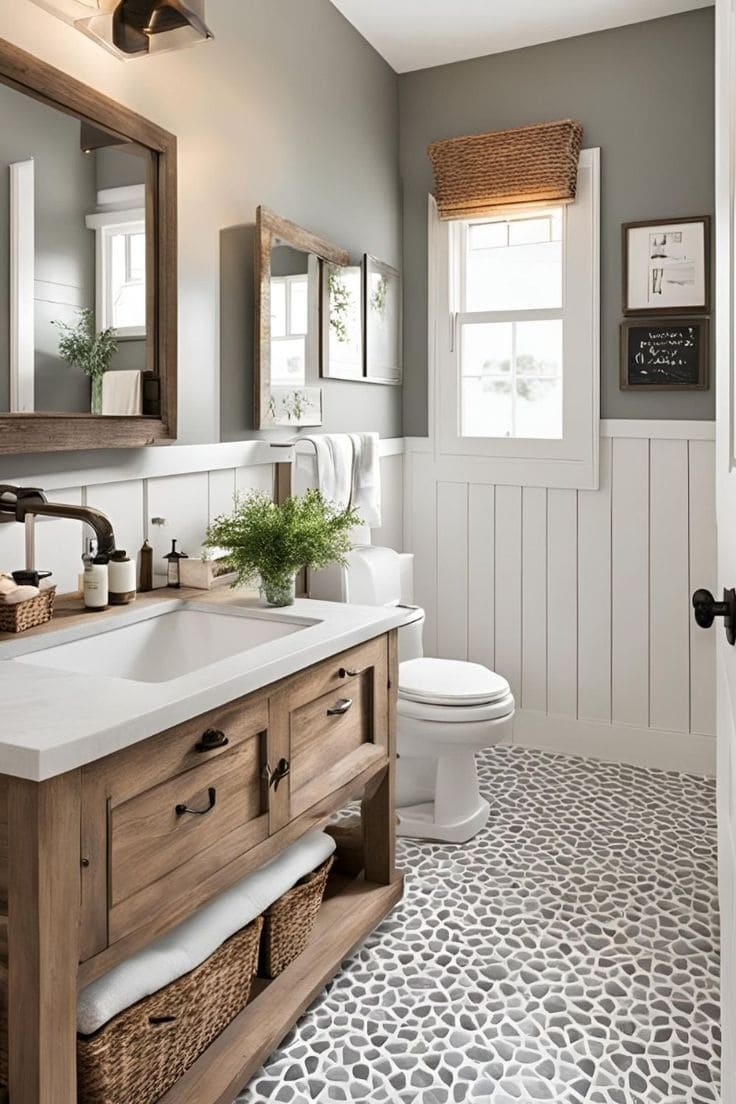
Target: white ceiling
x=415, y=34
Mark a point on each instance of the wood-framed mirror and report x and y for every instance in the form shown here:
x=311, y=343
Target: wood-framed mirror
x=88, y=223
x=287, y=325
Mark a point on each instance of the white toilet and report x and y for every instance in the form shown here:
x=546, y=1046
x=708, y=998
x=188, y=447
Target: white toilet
x=447, y=710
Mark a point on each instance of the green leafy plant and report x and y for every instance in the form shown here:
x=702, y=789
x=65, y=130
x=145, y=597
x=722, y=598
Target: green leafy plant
x=379, y=295
x=273, y=541
x=82, y=347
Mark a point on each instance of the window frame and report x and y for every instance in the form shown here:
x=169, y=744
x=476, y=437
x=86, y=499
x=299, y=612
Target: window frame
x=125, y=220
x=569, y=461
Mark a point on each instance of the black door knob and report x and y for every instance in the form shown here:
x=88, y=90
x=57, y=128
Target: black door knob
x=707, y=609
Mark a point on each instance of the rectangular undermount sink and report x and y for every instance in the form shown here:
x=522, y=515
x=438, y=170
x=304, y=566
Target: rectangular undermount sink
x=166, y=646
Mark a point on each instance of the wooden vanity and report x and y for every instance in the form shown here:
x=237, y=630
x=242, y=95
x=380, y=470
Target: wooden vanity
x=97, y=862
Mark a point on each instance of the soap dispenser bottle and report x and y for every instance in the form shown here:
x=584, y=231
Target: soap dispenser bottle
x=96, y=586
x=173, y=558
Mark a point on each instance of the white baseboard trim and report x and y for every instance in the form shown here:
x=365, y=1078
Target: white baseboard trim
x=616, y=743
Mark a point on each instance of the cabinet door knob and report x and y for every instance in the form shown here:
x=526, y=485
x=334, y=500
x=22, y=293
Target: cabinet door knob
x=182, y=809
x=212, y=739
x=340, y=707
x=707, y=609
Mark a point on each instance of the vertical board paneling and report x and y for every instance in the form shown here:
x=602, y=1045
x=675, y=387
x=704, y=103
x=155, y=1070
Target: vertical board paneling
x=221, y=492
x=508, y=585
x=594, y=595
x=258, y=477
x=184, y=501
x=123, y=504
x=562, y=603
x=423, y=528
x=630, y=582
x=669, y=653
x=534, y=599
x=481, y=557
x=452, y=570
x=702, y=574
x=390, y=534
x=60, y=543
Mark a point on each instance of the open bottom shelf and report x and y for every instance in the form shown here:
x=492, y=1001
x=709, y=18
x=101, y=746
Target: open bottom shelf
x=350, y=911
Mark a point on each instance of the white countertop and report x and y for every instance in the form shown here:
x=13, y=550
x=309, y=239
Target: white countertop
x=52, y=721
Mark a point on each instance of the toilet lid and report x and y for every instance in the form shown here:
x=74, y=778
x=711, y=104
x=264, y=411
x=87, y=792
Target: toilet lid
x=450, y=682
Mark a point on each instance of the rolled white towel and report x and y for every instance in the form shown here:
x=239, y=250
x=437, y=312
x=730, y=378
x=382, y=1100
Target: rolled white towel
x=11, y=594
x=188, y=944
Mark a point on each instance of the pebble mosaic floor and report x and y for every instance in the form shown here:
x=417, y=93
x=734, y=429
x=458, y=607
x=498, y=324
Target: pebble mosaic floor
x=568, y=954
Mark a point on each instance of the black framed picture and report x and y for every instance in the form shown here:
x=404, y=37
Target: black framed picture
x=665, y=355
x=666, y=266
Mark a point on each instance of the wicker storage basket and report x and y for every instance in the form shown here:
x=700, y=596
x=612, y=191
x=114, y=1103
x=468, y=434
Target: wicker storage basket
x=26, y=615
x=288, y=922
x=140, y=1054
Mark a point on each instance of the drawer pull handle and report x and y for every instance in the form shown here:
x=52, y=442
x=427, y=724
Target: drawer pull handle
x=340, y=707
x=350, y=672
x=283, y=768
x=182, y=809
x=211, y=740
x=156, y=1021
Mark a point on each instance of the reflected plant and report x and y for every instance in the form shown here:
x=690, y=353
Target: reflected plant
x=82, y=347
x=379, y=295
x=339, y=303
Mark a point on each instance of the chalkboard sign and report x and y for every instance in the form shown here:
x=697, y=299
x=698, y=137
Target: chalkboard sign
x=665, y=356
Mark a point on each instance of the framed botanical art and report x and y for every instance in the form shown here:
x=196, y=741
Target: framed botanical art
x=342, y=321
x=382, y=313
x=664, y=354
x=666, y=267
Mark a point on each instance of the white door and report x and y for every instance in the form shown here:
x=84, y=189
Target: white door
x=726, y=511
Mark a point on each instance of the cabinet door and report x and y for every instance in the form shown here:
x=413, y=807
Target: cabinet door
x=326, y=726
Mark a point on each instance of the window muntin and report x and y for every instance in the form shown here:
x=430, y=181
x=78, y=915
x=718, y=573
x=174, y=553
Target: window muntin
x=510, y=323
x=126, y=282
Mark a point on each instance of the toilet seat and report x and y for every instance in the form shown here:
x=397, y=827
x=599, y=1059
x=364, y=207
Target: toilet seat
x=455, y=714
x=451, y=683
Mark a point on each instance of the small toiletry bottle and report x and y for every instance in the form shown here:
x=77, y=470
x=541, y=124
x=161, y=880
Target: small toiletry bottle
x=146, y=568
x=90, y=551
x=121, y=578
x=173, y=557
x=96, y=583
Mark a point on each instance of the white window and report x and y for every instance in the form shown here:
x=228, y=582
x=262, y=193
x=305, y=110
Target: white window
x=121, y=261
x=516, y=376
x=289, y=328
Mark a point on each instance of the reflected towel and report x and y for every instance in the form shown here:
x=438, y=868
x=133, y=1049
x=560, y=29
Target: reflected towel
x=122, y=393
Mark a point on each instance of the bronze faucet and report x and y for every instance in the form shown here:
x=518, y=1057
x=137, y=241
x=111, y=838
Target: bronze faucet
x=23, y=503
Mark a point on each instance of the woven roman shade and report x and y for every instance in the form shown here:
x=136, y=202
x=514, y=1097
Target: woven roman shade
x=529, y=166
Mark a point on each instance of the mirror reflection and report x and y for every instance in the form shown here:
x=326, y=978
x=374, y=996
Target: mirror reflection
x=73, y=302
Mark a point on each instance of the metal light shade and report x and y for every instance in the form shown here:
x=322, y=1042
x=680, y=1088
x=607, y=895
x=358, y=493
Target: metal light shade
x=136, y=23
x=169, y=15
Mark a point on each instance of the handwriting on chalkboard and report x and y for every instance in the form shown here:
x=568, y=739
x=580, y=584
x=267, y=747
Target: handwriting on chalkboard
x=664, y=354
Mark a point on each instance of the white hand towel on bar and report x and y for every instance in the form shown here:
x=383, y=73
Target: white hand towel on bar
x=334, y=467
x=367, y=478
x=122, y=393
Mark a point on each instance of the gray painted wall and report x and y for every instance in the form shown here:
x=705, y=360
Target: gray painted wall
x=645, y=96
x=288, y=107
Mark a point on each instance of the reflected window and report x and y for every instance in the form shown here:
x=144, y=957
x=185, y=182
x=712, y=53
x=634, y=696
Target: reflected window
x=289, y=326
x=120, y=271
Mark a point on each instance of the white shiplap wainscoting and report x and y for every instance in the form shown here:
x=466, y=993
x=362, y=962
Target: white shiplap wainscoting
x=582, y=598
x=187, y=485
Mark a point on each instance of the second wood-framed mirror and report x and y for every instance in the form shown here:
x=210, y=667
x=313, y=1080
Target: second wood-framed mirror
x=88, y=226
x=288, y=289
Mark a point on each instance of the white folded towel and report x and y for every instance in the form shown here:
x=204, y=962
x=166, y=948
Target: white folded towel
x=188, y=944
x=122, y=393
x=11, y=594
x=367, y=478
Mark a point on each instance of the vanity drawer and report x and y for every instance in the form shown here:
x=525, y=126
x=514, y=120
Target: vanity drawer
x=156, y=832
x=327, y=731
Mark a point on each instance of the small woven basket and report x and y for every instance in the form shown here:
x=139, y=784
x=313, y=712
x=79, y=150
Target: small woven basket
x=26, y=615
x=288, y=922
x=141, y=1053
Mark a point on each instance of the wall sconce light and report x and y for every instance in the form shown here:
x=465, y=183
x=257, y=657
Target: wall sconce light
x=135, y=28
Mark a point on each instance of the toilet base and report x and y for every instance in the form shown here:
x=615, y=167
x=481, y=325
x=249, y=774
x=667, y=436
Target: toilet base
x=418, y=822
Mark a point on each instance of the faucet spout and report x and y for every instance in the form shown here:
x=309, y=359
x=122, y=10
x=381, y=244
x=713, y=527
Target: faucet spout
x=24, y=502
